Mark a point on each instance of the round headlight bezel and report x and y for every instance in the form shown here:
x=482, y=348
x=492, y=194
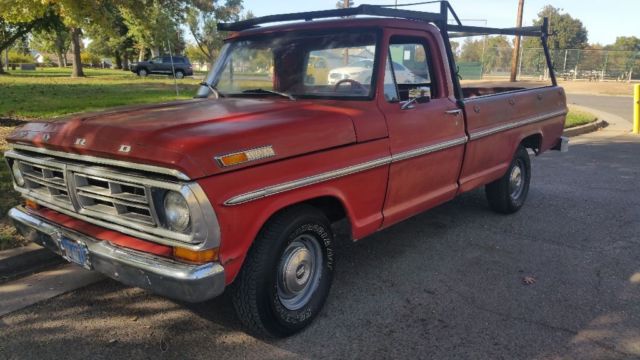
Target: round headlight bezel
x=177, y=213
x=18, y=176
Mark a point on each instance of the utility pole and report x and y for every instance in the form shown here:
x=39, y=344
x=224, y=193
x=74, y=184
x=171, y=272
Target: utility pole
x=347, y=4
x=515, y=58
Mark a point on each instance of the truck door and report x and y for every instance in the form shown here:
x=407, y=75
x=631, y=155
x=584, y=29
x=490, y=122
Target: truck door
x=426, y=128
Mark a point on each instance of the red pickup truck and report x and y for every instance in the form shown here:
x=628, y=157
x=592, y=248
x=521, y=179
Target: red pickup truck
x=239, y=187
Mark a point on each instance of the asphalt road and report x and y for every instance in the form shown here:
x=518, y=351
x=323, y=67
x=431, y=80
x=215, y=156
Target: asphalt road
x=447, y=284
x=618, y=105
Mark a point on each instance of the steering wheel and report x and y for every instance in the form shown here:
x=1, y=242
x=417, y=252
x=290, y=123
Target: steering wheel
x=354, y=84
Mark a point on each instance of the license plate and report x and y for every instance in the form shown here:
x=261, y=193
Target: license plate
x=75, y=252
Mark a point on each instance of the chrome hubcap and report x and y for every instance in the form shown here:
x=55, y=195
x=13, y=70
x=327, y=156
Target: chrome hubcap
x=299, y=272
x=516, y=180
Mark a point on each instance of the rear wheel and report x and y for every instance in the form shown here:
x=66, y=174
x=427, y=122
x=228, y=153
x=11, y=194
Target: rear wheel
x=179, y=74
x=508, y=194
x=287, y=274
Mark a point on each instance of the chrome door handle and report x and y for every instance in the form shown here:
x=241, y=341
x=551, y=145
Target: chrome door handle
x=455, y=112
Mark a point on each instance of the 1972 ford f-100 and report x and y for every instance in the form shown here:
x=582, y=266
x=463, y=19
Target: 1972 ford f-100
x=238, y=187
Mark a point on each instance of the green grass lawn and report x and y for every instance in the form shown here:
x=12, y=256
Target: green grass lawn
x=50, y=92
x=577, y=118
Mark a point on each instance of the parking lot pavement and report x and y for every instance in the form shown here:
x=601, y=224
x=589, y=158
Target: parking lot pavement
x=618, y=105
x=447, y=284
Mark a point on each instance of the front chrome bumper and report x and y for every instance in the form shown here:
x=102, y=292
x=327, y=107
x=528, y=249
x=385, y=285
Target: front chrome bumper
x=192, y=283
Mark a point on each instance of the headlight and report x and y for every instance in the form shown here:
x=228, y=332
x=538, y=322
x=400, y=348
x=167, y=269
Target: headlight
x=17, y=174
x=176, y=211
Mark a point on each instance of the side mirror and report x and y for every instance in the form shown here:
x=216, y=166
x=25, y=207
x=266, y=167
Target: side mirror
x=423, y=99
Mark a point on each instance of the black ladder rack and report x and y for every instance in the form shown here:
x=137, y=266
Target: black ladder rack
x=440, y=19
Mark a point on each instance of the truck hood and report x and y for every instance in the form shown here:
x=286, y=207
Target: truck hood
x=188, y=135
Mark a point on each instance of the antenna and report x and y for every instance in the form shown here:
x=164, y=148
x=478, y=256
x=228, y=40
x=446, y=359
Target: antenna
x=173, y=69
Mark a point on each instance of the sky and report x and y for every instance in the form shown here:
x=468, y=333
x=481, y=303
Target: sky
x=603, y=21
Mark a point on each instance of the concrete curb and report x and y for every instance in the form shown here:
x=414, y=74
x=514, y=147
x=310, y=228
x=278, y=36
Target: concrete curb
x=616, y=125
x=26, y=260
x=585, y=129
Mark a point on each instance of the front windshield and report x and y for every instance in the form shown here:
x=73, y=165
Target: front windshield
x=333, y=65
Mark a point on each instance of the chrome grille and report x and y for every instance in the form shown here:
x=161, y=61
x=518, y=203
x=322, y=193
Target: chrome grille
x=118, y=195
x=109, y=195
x=113, y=197
x=48, y=181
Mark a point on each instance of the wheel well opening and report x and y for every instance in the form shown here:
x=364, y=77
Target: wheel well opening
x=533, y=142
x=330, y=206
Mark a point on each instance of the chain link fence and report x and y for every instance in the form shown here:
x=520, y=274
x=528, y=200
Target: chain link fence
x=569, y=64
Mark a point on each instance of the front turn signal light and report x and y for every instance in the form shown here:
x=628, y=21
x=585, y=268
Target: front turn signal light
x=31, y=204
x=246, y=156
x=195, y=256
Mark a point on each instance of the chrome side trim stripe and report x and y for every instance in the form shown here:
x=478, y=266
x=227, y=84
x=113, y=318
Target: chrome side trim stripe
x=330, y=175
x=295, y=184
x=483, y=133
x=104, y=161
x=429, y=149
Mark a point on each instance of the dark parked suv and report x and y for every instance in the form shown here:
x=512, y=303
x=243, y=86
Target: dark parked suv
x=162, y=65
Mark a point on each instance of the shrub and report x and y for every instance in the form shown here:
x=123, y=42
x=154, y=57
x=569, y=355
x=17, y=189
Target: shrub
x=19, y=58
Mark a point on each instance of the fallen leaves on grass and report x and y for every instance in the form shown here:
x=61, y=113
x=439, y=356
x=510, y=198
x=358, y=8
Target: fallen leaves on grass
x=528, y=280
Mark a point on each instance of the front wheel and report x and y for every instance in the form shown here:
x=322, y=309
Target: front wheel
x=508, y=194
x=143, y=72
x=287, y=274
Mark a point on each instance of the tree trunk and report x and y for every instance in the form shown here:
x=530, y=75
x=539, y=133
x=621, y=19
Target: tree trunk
x=118, y=57
x=125, y=61
x=77, y=60
x=60, y=59
x=60, y=50
x=1, y=65
x=141, y=54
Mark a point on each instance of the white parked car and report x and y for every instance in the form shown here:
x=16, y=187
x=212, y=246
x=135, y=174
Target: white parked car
x=361, y=70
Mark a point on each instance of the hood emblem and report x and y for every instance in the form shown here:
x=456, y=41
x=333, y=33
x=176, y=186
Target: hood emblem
x=125, y=148
x=80, y=142
x=245, y=156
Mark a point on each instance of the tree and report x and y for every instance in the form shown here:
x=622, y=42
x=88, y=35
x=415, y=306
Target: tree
x=202, y=21
x=76, y=15
x=113, y=41
x=19, y=17
x=494, y=52
x=568, y=32
x=154, y=24
x=625, y=43
x=194, y=54
x=56, y=40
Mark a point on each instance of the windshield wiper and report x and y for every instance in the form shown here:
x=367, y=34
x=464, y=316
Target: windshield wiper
x=265, y=91
x=213, y=89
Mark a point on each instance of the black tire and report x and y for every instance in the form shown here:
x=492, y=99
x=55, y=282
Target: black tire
x=179, y=74
x=506, y=196
x=258, y=291
x=143, y=72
